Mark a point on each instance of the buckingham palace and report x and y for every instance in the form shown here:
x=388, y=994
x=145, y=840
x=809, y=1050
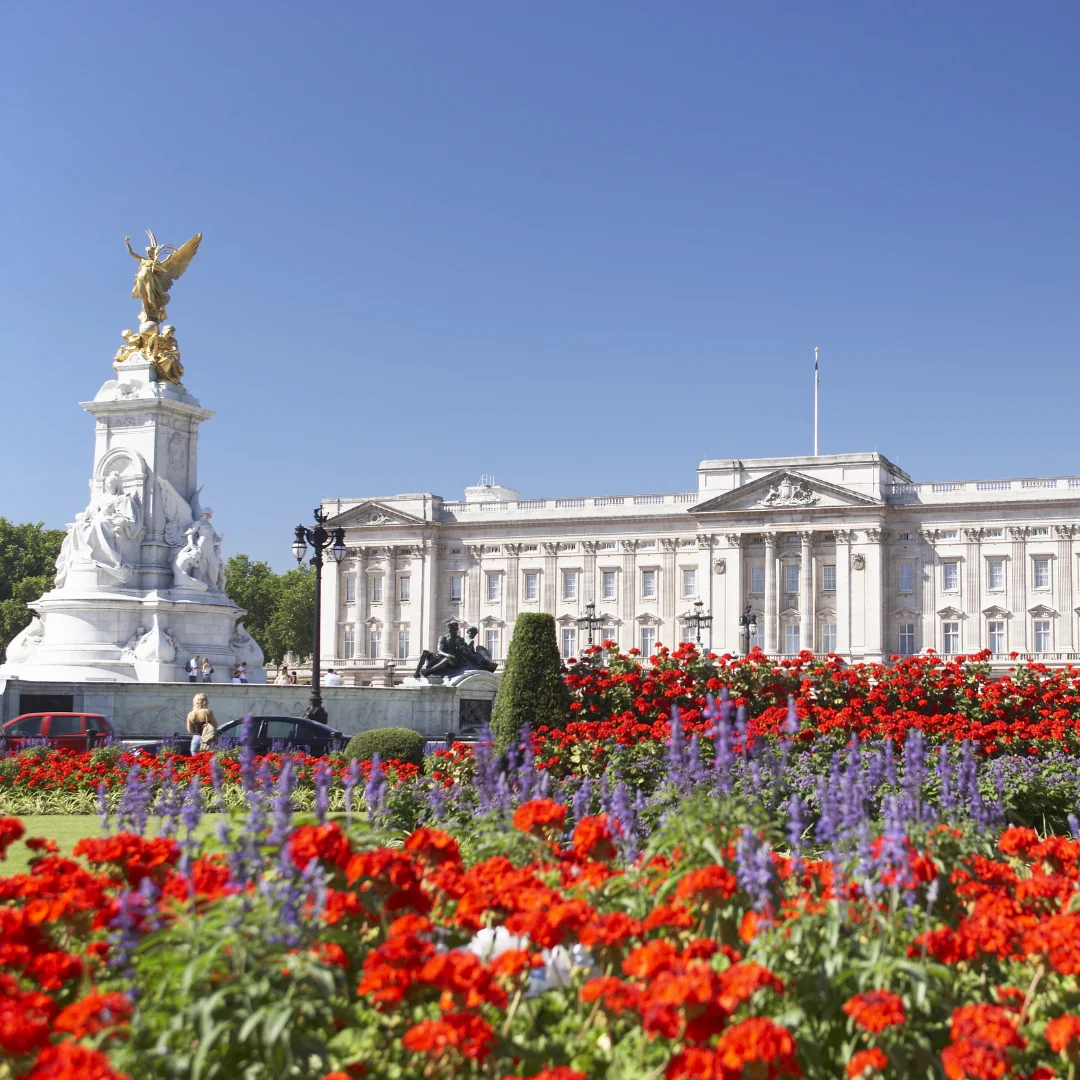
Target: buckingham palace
x=839, y=553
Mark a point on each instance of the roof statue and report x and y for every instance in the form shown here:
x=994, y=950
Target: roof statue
x=158, y=270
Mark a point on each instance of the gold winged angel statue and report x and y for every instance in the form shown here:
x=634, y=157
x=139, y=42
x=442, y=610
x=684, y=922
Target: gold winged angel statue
x=156, y=275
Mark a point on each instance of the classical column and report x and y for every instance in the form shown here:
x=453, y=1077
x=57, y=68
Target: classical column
x=1064, y=584
x=548, y=592
x=429, y=612
x=772, y=620
x=416, y=600
x=588, y=582
x=389, y=591
x=1018, y=630
x=670, y=595
x=928, y=571
x=510, y=592
x=628, y=590
x=843, y=592
x=329, y=612
x=713, y=597
x=361, y=607
x=873, y=594
x=973, y=631
x=734, y=600
x=473, y=599
x=806, y=591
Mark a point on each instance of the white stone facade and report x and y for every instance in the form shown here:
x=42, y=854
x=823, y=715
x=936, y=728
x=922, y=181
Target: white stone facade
x=139, y=586
x=836, y=553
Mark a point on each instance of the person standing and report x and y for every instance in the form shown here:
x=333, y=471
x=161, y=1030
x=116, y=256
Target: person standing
x=332, y=678
x=193, y=669
x=283, y=677
x=201, y=722
x=236, y=674
x=243, y=672
x=207, y=669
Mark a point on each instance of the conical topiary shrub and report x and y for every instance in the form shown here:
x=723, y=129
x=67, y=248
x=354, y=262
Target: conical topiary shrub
x=532, y=690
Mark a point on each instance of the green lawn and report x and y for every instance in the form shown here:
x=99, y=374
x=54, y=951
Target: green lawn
x=67, y=830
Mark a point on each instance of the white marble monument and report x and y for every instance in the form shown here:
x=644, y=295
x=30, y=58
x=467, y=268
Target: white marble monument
x=140, y=577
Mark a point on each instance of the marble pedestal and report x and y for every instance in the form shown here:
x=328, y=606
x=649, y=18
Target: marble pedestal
x=120, y=610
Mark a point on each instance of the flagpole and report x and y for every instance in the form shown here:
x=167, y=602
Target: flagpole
x=815, y=400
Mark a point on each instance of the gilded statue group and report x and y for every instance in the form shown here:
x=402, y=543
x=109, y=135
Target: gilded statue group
x=454, y=654
x=156, y=340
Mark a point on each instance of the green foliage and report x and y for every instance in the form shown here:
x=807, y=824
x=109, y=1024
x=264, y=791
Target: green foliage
x=27, y=567
x=257, y=589
x=280, y=607
x=389, y=743
x=532, y=690
x=292, y=625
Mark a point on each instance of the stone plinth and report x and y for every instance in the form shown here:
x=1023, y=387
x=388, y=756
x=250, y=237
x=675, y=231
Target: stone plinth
x=139, y=582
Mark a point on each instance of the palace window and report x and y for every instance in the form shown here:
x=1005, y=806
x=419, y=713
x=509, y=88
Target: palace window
x=1042, y=635
x=948, y=534
x=491, y=643
x=791, y=575
x=648, y=584
x=607, y=585
x=950, y=632
x=569, y=585
x=1042, y=573
x=350, y=590
x=992, y=533
x=532, y=586
x=950, y=577
x=906, y=577
x=995, y=575
x=995, y=629
x=905, y=536
x=350, y=644
x=648, y=641
x=569, y=642
x=685, y=634
x=1042, y=530
x=455, y=588
x=404, y=587
x=374, y=644
x=376, y=590
x=646, y=545
x=791, y=638
x=608, y=545
x=689, y=583
x=757, y=580
x=828, y=637
x=906, y=643
x=493, y=587
x=611, y=633
x=403, y=643
x=828, y=578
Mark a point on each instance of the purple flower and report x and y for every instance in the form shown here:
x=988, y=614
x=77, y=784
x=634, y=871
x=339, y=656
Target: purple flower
x=754, y=868
x=323, y=777
x=581, y=803
x=352, y=778
x=374, y=789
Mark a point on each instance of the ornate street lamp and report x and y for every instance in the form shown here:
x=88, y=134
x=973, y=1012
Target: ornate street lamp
x=320, y=541
x=747, y=629
x=697, y=621
x=590, y=621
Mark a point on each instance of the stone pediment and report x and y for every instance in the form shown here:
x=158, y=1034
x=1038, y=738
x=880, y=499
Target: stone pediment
x=784, y=490
x=996, y=612
x=1042, y=611
x=951, y=613
x=373, y=513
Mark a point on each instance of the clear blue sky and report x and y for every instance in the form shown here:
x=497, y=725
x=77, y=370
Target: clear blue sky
x=577, y=245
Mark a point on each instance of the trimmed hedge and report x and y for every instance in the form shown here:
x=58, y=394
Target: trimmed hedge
x=388, y=742
x=532, y=690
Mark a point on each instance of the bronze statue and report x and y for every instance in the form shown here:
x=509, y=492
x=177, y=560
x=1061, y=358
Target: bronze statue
x=450, y=654
x=480, y=658
x=154, y=278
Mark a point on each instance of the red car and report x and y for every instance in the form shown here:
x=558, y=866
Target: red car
x=64, y=730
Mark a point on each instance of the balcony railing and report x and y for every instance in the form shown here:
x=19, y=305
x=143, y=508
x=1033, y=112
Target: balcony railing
x=909, y=492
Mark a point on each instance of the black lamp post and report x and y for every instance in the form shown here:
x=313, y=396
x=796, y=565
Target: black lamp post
x=747, y=629
x=590, y=621
x=320, y=540
x=697, y=621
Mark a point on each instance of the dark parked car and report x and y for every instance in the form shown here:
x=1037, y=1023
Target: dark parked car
x=281, y=734
x=70, y=731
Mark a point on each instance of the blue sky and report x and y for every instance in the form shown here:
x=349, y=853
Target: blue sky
x=579, y=246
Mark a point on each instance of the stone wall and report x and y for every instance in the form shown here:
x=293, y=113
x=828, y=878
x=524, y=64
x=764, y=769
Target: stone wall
x=158, y=709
